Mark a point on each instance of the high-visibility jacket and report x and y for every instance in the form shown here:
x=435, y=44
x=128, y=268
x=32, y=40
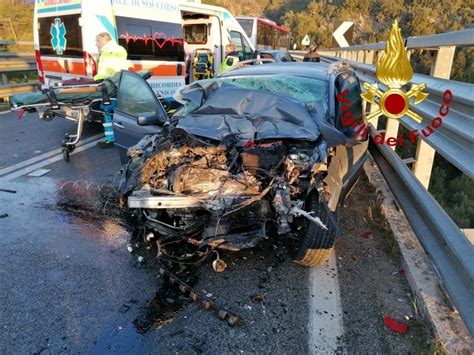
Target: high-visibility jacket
x=229, y=62
x=112, y=59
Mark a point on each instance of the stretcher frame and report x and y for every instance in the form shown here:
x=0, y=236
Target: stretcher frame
x=74, y=111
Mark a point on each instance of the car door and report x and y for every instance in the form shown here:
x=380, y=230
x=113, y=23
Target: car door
x=135, y=98
x=352, y=157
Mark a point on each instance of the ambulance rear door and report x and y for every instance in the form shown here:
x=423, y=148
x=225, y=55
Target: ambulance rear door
x=152, y=34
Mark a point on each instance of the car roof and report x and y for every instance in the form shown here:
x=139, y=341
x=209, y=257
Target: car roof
x=319, y=71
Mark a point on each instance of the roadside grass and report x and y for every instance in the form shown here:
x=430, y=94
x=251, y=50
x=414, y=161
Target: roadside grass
x=379, y=226
x=419, y=333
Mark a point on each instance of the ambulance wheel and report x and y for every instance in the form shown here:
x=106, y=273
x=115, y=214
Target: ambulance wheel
x=66, y=156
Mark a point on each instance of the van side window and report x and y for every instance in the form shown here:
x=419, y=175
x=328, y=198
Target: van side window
x=241, y=45
x=237, y=40
x=68, y=36
x=150, y=40
x=195, y=33
x=248, y=53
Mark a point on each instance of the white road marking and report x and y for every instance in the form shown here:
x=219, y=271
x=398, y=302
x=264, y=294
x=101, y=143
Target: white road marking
x=46, y=162
x=5, y=112
x=39, y=172
x=325, y=329
x=49, y=154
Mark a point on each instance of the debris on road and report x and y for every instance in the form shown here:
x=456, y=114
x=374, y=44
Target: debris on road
x=394, y=325
x=219, y=265
x=3, y=215
x=9, y=191
x=124, y=308
x=260, y=298
x=206, y=302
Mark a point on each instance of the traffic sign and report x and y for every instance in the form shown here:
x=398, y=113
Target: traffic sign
x=343, y=34
x=305, y=41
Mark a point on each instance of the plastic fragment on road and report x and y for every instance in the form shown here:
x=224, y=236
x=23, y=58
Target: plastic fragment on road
x=21, y=113
x=394, y=325
x=39, y=172
x=3, y=215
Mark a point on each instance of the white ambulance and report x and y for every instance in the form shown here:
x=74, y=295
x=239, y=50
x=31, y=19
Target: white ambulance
x=159, y=35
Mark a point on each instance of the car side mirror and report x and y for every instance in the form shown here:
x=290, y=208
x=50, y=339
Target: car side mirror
x=151, y=119
x=158, y=118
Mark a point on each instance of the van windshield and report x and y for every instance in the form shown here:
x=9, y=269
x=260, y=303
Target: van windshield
x=247, y=25
x=60, y=36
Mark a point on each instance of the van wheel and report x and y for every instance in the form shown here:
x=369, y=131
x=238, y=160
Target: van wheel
x=312, y=244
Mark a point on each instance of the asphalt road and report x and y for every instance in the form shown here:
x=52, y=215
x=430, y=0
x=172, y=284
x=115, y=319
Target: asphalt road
x=69, y=285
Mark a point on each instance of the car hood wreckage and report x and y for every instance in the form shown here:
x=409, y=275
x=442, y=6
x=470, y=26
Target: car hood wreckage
x=242, y=166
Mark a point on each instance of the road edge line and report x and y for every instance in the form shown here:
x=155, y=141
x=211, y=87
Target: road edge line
x=430, y=299
x=22, y=164
x=319, y=334
x=46, y=162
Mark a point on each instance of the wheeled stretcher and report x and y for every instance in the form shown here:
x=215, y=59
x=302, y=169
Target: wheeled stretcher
x=77, y=103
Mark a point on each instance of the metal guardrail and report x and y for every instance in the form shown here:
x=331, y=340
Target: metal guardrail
x=451, y=252
x=448, y=39
x=15, y=62
x=8, y=90
x=20, y=43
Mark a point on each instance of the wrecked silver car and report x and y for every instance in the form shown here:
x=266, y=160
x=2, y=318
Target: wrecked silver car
x=257, y=153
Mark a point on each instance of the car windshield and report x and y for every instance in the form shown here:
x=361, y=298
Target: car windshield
x=301, y=88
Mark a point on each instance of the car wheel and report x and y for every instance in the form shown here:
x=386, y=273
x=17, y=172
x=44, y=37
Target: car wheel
x=313, y=244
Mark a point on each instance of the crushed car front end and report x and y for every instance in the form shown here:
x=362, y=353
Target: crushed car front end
x=245, y=162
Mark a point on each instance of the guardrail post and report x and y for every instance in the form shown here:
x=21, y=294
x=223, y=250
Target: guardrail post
x=368, y=58
x=441, y=68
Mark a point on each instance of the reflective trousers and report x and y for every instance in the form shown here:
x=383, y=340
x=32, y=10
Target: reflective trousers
x=108, y=128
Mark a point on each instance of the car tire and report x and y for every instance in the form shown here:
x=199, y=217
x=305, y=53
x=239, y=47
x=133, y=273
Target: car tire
x=315, y=244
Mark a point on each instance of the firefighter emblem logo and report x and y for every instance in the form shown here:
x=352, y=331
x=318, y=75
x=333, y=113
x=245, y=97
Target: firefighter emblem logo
x=394, y=70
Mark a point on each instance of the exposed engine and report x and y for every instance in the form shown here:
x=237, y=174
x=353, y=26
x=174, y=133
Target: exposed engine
x=222, y=195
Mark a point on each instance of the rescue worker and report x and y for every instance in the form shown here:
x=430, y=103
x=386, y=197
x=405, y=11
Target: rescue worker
x=312, y=55
x=112, y=59
x=231, y=59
